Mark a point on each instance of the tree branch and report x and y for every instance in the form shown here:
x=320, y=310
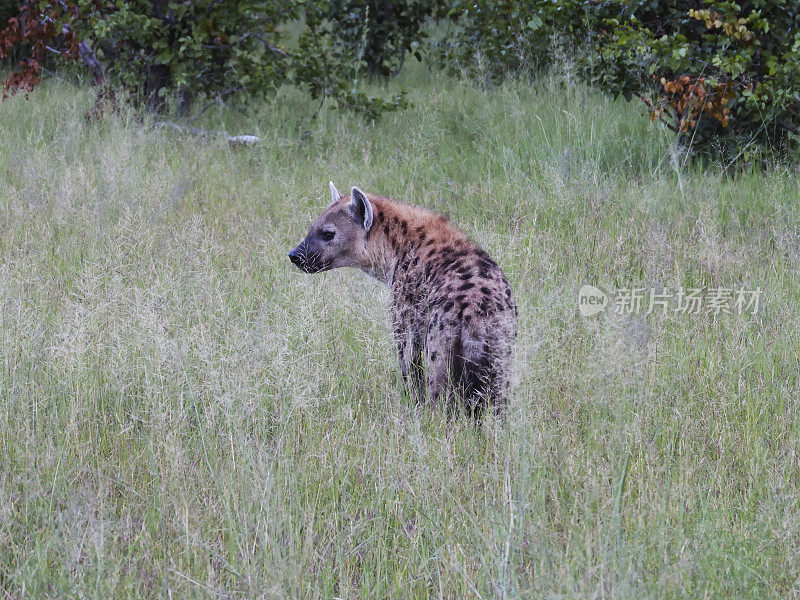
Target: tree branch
x=88, y=56
x=270, y=47
x=652, y=107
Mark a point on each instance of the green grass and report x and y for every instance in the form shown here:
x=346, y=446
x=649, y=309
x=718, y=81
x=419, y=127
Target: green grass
x=185, y=415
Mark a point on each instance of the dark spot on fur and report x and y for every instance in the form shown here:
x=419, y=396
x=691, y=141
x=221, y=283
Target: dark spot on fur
x=386, y=230
x=485, y=290
x=433, y=355
x=448, y=305
x=466, y=286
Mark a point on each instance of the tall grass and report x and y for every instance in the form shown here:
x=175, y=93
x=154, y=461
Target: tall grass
x=185, y=415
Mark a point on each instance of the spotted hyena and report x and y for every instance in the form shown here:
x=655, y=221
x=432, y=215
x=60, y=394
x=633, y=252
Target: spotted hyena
x=453, y=312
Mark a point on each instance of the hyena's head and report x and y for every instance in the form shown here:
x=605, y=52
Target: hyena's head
x=338, y=238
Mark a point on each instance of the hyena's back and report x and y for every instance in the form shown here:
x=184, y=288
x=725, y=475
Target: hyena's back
x=462, y=321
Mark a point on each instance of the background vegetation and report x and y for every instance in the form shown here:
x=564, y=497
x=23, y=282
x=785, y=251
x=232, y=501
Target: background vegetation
x=724, y=76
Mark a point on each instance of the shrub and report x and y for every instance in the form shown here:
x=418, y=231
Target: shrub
x=499, y=38
x=381, y=32
x=724, y=76
x=329, y=63
x=27, y=38
x=153, y=48
x=156, y=48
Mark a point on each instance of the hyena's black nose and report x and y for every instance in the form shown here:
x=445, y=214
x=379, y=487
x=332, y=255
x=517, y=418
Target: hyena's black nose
x=294, y=256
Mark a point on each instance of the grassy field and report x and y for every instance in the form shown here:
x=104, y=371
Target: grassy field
x=184, y=415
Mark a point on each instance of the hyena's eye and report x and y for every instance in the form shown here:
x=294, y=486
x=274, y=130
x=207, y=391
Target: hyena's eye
x=327, y=235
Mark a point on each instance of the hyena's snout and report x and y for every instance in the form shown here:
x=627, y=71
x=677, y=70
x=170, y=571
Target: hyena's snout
x=297, y=256
x=306, y=259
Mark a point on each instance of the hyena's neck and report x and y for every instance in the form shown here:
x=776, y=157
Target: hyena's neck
x=399, y=233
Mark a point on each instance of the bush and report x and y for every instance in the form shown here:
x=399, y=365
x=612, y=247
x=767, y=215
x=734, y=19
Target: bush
x=495, y=39
x=381, y=32
x=724, y=76
x=202, y=47
x=154, y=48
x=158, y=48
x=330, y=61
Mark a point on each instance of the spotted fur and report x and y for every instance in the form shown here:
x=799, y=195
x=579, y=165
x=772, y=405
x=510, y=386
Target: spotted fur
x=453, y=311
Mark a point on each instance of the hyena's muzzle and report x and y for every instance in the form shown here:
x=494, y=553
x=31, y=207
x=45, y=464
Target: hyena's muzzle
x=305, y=258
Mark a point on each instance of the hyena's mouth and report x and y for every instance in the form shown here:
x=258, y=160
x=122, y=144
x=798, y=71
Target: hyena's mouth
x=308, y=263
x=311, y=268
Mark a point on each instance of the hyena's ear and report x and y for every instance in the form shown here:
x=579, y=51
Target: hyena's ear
x=361, y=208
x=335, y=195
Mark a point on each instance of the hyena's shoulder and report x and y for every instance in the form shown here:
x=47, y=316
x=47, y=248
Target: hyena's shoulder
x=458, y=277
